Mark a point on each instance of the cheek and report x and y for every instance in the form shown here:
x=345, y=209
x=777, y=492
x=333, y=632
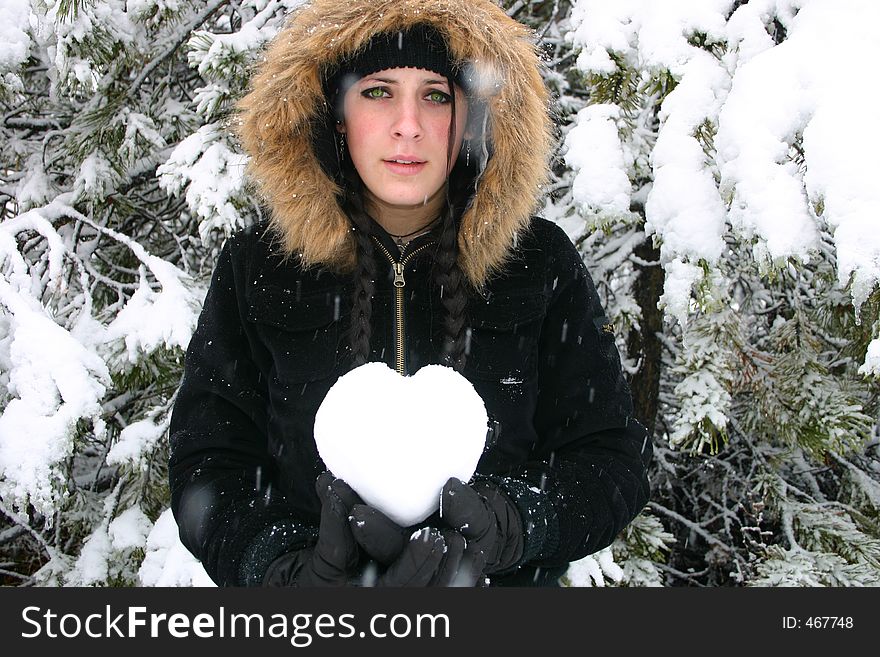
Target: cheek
x=439, y=131
x=360, y=135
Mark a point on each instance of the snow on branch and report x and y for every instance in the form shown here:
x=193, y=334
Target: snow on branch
x=51, y=379
x=764, y=134
x=150, y=319
x=56, y=370
x=213, y=176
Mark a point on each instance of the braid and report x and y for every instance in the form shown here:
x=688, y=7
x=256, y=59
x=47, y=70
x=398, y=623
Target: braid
x=453, y=294
x=447, y=273
x=364, y=280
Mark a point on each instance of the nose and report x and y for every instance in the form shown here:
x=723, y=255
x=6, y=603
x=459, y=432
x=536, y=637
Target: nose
x=407, y=121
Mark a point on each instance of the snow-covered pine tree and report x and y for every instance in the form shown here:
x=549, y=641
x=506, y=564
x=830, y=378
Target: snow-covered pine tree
x=607, y=241
x=729, y=126
x=110, y=110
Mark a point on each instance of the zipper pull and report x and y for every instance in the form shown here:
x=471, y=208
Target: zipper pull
x=398, y=275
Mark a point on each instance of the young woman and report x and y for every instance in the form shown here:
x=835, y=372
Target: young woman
x=400, y=147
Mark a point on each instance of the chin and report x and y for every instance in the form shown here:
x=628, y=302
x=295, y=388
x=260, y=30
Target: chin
x=407, y=201
x=409, y=198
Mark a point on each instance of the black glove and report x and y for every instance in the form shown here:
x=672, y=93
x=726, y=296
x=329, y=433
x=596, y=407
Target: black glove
x=333, y=560
x=380, y=537
x=427, y=557
x=487, y=518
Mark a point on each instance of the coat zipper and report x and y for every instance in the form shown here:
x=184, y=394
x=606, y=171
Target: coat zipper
x=399, y=284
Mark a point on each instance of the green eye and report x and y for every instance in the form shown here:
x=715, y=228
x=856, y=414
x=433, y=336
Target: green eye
x=375, y=92
x=438, y=97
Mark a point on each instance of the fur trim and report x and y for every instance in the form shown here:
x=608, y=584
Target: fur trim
x=275, y=123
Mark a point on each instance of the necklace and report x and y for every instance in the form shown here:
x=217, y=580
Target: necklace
x=398, y=239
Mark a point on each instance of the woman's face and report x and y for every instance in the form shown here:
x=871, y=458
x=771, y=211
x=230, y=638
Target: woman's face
x=396, y=123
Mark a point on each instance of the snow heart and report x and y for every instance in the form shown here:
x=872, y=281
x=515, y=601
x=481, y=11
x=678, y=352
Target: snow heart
x=396, y=440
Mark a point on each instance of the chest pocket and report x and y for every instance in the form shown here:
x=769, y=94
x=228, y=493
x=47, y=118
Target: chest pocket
x=301, y=333
x=504, y=337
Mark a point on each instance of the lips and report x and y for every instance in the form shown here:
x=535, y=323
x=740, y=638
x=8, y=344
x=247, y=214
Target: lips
x=402, y=159
x=404, y=165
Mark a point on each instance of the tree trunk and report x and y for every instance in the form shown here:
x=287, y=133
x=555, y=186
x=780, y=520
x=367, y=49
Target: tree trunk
x=646, y=343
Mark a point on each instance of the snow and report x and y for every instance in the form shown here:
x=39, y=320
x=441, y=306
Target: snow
x=704, y=397
x=55, y=381
x=813, y=84
x=138, y=440
x=680, y=278
x=684, y=205
x=658, y=29
x=146, y=7
x=211, y=173
x=56, y=375
x=14, y=41
x=392, y=440
x=167, y=561
x=138, y=128
x=762, y=100
x=248, y=39
x=106, y=553
x=96, y=176
x=35, y=187
x=73, y=54
x=157, y=319
x=871, y=365
x=93, y=565
x=129, y=529
x=594, y=150
x=593, y=570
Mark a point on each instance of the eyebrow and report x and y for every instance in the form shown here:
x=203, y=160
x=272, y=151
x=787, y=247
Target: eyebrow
x=424, y=81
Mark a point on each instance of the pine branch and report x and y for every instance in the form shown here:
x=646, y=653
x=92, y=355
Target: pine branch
x=174, y=46
x=693, y=526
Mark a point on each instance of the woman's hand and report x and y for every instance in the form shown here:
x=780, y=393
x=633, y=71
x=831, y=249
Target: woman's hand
x=333, y=560
x=487, y=518
x=426, y=557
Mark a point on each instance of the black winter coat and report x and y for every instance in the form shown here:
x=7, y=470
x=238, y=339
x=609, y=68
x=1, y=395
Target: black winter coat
x=271, y=341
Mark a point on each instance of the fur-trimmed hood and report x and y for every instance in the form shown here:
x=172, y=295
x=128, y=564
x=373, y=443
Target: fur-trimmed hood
x=277, y=116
